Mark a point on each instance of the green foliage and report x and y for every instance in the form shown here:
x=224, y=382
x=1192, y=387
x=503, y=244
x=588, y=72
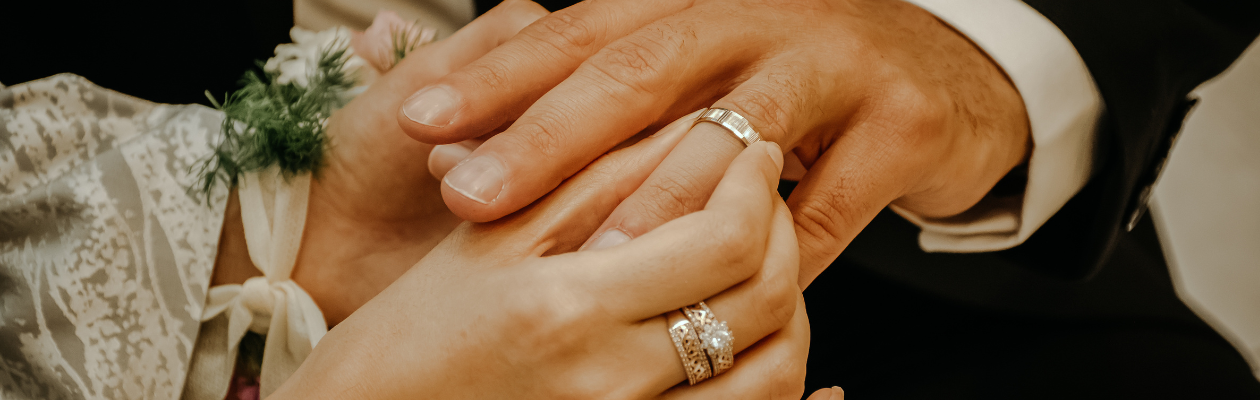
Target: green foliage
x=405, y=41
x=268, y=123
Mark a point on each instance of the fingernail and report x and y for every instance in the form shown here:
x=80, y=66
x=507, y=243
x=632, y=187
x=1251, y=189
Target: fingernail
x=445, y=157
x=479, y=179
x=609, y=238
x=434, y=106
x=837, y=393
x=776, y=153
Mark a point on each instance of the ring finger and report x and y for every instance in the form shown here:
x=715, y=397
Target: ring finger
x=779, y=103
x=752, y=310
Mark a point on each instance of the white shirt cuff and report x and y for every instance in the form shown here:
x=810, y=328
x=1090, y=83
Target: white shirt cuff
x=1063, y=106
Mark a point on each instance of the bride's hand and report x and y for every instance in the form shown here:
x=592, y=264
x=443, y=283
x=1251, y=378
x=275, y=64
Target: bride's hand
x=374, y=208
x=507, y=310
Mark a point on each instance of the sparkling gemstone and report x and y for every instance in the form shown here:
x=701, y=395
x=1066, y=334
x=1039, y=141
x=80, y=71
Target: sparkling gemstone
x=717, y=337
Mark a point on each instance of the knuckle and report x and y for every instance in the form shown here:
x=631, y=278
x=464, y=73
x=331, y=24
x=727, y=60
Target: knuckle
x=822, y=221
x=563, y=31
x=672, y=195
x=914, y=116
x=779, y=305
x=782, y=297
x=541, y=135
x=490, y=74
x=639, y=60
x=772, y=105
x=733, y=242
x=767, y=109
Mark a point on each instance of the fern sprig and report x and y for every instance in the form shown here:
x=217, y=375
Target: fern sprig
x=267, y=123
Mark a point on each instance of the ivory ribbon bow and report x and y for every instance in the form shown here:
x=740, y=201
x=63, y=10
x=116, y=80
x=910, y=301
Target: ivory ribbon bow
x=274, y=213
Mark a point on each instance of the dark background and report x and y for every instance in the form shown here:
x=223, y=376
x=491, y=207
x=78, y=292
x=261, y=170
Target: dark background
x=163, y=51
x=882, y=326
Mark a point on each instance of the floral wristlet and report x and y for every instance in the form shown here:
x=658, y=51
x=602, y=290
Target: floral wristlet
x=272, y=140
x=280, y=118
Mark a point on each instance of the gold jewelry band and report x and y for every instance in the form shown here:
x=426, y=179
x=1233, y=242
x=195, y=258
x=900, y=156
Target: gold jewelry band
x=715, y=337
x=687, y=342
x=733, y=122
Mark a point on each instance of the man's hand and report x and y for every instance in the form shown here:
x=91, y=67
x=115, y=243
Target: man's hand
x=881, y=102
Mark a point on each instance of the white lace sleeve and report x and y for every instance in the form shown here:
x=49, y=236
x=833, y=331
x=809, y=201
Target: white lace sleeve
x=105, y=257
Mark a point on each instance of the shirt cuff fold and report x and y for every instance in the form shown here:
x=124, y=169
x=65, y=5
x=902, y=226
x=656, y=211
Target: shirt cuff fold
x=1063, y=105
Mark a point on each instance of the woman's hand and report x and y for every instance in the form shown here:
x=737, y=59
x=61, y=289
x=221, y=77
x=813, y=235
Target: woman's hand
x=882, y=102
x=507, y=310
x=374, y=208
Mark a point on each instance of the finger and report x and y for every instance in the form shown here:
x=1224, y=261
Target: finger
x=831, y=393
x=767, y=300
x=444, y=157
x=613, y=95
x=366, y=138
x=575, y=209
x=561, y=221
x=505, y=82
x=857, y=177
x=694, y=257
x=780, y=102
x=449, y=157
x=430, y=62
x=772, y=369
x=679, y=186
x=756, y=307
x=753, y=309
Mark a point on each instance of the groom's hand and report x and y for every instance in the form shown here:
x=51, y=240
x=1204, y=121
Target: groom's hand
x=880, y=101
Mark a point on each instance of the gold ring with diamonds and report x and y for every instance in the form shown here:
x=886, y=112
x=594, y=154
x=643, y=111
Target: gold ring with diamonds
x=687, y=342
x=715, y=337
x=733, y=122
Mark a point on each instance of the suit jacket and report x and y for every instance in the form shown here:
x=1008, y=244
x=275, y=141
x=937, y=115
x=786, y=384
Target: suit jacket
x=1146, y=57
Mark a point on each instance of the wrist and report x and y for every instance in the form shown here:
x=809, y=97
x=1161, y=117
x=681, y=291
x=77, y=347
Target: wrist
x=232, y=264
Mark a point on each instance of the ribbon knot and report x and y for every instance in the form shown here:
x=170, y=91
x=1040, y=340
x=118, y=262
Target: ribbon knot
x=257, y=298
x=273, y=210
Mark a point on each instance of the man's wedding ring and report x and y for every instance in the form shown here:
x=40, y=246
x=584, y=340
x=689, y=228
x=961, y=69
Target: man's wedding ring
x=687, y=342
x=733, y=122
x=716, y=339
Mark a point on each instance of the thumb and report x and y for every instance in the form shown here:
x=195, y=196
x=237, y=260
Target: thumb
x=831, y=393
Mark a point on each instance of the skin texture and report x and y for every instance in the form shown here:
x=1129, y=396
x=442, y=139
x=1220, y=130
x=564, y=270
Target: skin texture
x=881, y=102
x=374, y=208
x=508, y=309
x=490, y=314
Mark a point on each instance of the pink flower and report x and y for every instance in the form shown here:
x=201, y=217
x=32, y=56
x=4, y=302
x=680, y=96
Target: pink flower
x=388, y=35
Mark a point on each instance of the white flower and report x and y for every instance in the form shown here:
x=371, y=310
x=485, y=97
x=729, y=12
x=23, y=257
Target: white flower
x=294, y=61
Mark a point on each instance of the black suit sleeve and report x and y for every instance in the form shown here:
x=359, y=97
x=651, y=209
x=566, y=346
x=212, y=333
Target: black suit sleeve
x=1145, y=56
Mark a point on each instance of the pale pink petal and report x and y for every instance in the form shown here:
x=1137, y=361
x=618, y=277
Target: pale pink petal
x=376, y=44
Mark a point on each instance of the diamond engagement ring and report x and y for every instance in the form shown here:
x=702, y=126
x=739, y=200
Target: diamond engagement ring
x=733, y=122
x=716, y=339
x=687, y=342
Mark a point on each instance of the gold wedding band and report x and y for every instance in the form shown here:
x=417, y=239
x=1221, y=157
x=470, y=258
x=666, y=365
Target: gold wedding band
x=715, y=337
x=687, y=342
x=733, y=122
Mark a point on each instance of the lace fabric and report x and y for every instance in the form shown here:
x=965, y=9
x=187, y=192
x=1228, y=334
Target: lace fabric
x=105, y=258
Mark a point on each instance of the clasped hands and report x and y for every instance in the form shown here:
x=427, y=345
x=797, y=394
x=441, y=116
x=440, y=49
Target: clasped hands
x=879, y=101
